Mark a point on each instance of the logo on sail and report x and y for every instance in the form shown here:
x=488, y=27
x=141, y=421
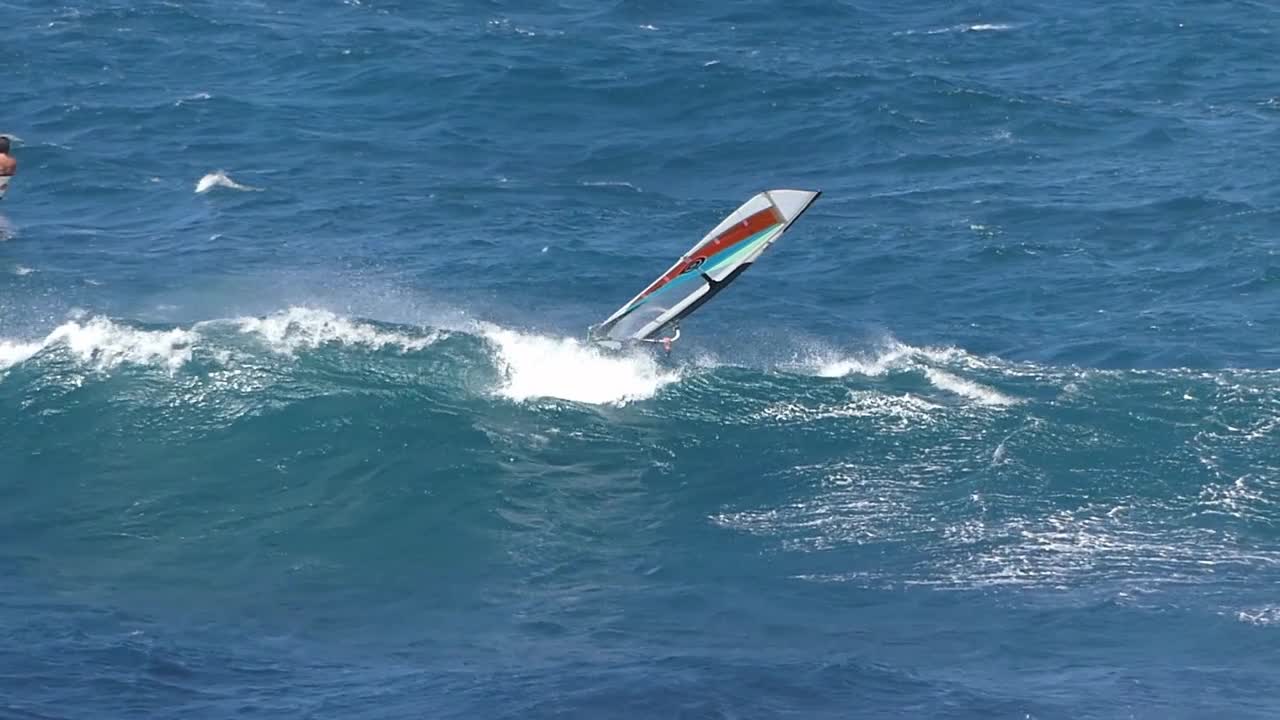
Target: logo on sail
x=694, y=264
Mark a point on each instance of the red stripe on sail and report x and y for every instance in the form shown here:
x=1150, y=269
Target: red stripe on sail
x=735, y=234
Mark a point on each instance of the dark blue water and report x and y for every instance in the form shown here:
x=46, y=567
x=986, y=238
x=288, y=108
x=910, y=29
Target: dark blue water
x=297, y=421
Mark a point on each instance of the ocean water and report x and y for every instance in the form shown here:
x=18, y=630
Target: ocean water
x=297, y=420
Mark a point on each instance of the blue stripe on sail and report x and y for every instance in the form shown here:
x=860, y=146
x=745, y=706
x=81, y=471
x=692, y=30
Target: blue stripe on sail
x=682, y=279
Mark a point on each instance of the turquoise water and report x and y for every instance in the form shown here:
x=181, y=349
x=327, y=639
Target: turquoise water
x=299, y=423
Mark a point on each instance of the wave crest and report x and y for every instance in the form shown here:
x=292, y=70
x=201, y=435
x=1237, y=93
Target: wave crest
x=102, y=344
x=538, y=366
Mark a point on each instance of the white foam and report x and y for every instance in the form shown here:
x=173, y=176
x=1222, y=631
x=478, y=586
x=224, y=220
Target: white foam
x=21, y=270
x=977, y=27
x=901, y=412
x=610, y=183
x=847, y=504
x=900, y=357
x=538, y=366
x=1251, y=495
x=192, y=98
x=1260, y=616
x=13, y=353
x=103, y=344
x=307, y=328
x=894, y=357
x=506, y=24
x=891, y=356
x=1101, y=544
x=221, y=179
x=967, y=388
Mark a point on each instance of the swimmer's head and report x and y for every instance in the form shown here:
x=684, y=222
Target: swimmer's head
x=4, y=144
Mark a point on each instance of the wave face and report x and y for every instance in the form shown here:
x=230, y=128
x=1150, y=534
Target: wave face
x=297, y=419
x=245, y=494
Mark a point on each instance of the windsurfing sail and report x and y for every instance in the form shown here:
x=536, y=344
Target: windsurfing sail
x=710, y=265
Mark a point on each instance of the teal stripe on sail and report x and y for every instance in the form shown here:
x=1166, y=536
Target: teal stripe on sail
x=744, y=250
